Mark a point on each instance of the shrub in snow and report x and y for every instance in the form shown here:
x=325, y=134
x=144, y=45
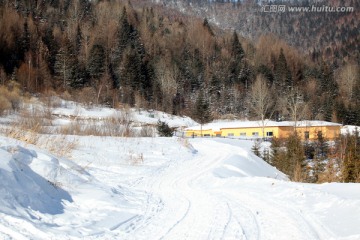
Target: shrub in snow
x=164, y=130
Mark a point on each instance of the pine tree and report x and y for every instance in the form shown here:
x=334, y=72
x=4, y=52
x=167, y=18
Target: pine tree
x=320, y=156
x=25, y=40
x=207, y=26
x=295, y=156
x=197, y=71
x=202, y=109
x=78, y=40
x=131, y=77
x=282, y=74
x=351, y=161
x=64, y=66
x=124, y=33
x=164, y=130
x=96, y=66
x=256, y=148
x=278, y=154
x=237, y=54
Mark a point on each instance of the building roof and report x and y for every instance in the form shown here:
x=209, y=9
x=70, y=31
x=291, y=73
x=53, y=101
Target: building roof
x=217, y=126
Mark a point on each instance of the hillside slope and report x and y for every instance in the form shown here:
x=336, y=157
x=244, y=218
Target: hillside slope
x=330, y=34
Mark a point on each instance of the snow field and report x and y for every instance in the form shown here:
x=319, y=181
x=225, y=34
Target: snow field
x=161, y=188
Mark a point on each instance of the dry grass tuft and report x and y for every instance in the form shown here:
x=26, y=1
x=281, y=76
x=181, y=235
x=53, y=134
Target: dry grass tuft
x=147, y=131
x=5, y=104
x=58, y=145
x=118, y=125
x=136, y=159
x=10, y=98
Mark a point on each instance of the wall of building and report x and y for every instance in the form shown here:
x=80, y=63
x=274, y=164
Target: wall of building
x=310, y=132
x=250, y=132
x=329, y=132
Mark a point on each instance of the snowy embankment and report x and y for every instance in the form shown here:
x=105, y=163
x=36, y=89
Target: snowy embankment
x=164, y=188
x=73, y=110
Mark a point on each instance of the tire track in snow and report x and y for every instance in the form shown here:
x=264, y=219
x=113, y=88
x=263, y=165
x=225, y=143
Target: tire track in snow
x=216, y=209
x=181, y=219
x=228, y=221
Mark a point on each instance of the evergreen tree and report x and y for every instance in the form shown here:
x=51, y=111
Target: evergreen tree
x=266, y=155
x=202, y=109
x=52, y=46
x=197, y=71
x=25, y=40
x=78, y=40
x=124, y=33
x=320, y=156
x=96, y=66
x=282, y=74
x=295, y=156
x=80, y=76
x=207, y=26
x=131, y=77
x=164, y=130
x=278, y=154
x=237, y=54
x=351, y=160
x=256, y=148
x=64, y=65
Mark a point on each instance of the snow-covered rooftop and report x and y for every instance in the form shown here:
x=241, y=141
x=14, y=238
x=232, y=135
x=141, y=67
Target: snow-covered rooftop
x=216, y=126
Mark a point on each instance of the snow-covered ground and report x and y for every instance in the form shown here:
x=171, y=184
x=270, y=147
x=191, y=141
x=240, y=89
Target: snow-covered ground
x=70, y=109
x=163, y=188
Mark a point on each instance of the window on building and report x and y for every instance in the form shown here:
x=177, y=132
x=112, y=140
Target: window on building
x=206, y=135
x=242, y=134
x=230, y=134
x=307, y=135
x=218, y=135
x=269, y=134
x=255, y=134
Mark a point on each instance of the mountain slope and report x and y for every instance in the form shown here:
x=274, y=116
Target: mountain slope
x=319, y=32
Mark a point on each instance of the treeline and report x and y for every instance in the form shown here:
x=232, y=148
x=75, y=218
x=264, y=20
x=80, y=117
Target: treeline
x=315, y=161
x=113, y=53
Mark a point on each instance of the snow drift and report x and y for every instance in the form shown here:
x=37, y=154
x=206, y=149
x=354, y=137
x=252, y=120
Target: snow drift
x=23, y=188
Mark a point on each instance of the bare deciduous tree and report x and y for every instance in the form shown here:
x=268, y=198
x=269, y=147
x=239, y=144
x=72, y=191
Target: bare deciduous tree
x=167, y=79
x=261, y=101
x=347, y=80
x=295, y=105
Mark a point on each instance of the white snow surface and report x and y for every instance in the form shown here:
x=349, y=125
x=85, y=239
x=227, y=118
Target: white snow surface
x=141, y=116
x=161, y=188
x=164, y=188
x=349, y=129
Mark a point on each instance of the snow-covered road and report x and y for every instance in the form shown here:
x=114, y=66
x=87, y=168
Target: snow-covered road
x=193, y=204
x=159, y=188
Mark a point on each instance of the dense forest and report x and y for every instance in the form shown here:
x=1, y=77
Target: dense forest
x=327, y=34
x=123, y=53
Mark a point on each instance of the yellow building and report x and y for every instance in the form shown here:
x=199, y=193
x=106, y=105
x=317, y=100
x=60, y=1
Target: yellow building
x=268, y=129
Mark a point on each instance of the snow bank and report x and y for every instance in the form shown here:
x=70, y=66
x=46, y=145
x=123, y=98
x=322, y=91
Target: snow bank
x=72, y=109
x=239, y=161
x=23, y=187
x=45, y=197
